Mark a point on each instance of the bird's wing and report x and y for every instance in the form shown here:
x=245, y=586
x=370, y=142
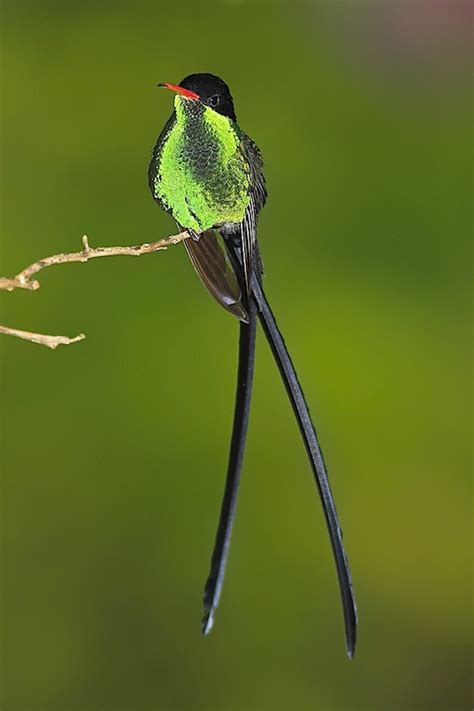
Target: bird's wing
x=248, y=236
x=258, y=195
x=212, y=264
x=154, y=166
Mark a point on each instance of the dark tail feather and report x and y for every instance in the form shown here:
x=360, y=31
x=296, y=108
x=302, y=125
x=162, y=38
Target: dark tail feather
x=214, y=582
x=313, y=449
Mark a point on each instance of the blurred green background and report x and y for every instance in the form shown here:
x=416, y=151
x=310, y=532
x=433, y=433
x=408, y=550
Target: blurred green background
x=114, y=450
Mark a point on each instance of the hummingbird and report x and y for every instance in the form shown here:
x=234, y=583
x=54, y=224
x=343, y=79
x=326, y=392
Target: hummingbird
x=207, y=174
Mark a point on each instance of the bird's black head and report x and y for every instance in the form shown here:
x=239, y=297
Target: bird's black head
x=208, y=89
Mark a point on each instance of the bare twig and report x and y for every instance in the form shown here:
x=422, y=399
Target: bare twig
x=24, y=280
x=44, y=340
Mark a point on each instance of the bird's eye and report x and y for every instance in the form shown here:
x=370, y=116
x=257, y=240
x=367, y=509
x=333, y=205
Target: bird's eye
x=214, y=100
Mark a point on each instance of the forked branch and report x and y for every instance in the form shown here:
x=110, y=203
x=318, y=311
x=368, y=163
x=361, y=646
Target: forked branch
x=24, y=279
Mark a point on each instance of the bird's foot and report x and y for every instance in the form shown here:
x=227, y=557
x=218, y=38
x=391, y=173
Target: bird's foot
x=193, y=234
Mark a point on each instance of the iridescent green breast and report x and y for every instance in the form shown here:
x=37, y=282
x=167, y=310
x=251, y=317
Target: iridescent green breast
x=198, y=171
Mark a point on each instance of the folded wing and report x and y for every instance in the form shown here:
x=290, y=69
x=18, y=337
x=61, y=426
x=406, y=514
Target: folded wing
x=212, y=264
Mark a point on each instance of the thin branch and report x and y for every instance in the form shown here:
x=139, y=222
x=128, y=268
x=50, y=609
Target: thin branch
x=24, y=280
x=44, y=340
